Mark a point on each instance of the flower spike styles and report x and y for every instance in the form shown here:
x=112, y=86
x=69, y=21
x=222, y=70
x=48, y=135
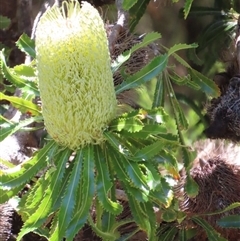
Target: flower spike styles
x=75, y=78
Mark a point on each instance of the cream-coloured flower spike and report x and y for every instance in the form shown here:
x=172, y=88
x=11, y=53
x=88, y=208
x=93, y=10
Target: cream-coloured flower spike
x=75, y=78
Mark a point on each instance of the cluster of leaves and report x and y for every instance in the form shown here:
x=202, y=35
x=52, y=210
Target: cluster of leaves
x=138, y=145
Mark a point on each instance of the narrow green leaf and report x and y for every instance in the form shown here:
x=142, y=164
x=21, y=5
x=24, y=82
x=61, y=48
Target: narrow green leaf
x=12, y=128
x=169, y=234
x=21, y=104
x=206, y=85
x=159, y=93
x=183, y=235
x=5, y=22
x=68, y=203
x=212, y=234
x=134, y=172
x=5, y=195
x=127, y=4
x=180, y=118
x=104, y=183
x=147, y=207
x=178, y=47
x=181, y=60
x=49, y=198
x=228, y=208
x=152, y=150
x=26, y=45
x=136, y=12
x=155, y=67
x=187, y=7
x=231, y=221
x=22, y=173
x=87, y=192
x=116, y=143
x=191, y=187
x=10, y=75
x=140, y=217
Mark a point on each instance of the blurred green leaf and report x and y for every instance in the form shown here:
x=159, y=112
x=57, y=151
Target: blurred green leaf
x=136, y=12
x=169, y=215
x=231, y=221
x=104, y=183
x=212, y=234
x=191, y=187
x=127, y=4
x=4, y=22
x=22, y=105
x=206, y=85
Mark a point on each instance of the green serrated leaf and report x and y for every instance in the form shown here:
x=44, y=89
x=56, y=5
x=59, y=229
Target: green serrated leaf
x=128, y=124
x=115, y=142
x=163, y=194
x=180, y=46
x=26, y=45
x=191, y=187
x=15, y=79
x=169, y=234
x=140, y=217
x=87, y=192
x=180, y=118
x=104, y=183
x=147, y=207
x=136, y=12
x=5, y=195
x=134, y=172
x=206, y=85
x=21, y=104
x=4, y=22
x=155, y=67
x=231, y=221
x=22, y=173
x=12, y=128
x=159, y=93
x=228, y=208
x=187, y=7
x=26, y=72
x=68, y=203
x=47, y=204
x=169, y=215
x=149, y=151
x=212, y=234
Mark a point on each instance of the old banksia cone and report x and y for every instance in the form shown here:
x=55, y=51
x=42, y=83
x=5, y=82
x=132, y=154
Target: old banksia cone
x=75, y=77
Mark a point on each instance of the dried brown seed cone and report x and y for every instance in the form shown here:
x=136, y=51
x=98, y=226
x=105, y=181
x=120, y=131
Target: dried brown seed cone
x=224, y=113
x=6, y=212
x=217, y=172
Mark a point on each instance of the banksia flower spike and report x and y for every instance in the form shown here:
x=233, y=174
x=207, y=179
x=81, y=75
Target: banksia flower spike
x=74, y=72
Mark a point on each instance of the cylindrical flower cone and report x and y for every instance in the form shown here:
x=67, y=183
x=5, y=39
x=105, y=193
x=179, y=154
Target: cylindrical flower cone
x=75, y=78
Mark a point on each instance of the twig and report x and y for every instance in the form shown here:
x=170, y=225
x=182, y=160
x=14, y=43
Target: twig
x=122, y=22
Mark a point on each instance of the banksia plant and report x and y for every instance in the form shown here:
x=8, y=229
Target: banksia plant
x=101, y=164
x=75, y=77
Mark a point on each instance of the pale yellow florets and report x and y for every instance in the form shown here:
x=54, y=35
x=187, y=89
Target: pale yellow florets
x=75, y=77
